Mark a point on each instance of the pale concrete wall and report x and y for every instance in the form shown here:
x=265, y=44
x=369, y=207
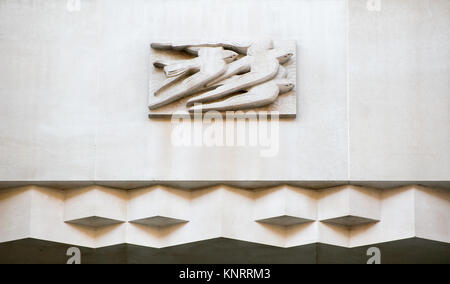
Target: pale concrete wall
x=373, y=93
x=399, y=90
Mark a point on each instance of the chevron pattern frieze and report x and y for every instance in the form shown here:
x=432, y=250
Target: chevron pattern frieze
x=283, y=216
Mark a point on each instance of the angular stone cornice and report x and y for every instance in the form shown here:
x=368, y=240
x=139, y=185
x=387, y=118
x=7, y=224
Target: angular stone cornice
x=283, y=216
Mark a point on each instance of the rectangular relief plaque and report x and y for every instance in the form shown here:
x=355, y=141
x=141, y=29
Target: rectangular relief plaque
x=188, y=77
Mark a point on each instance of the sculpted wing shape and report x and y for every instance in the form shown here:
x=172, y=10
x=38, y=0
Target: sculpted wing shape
x=239, y=66
x=257, y=96
x=209, y=70
x=262, y=70
x=238, y=46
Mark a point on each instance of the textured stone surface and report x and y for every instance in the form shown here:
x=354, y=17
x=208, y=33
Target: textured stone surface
x=224, y=212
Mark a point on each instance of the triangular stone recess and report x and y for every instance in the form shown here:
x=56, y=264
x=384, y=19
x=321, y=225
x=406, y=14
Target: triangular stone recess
x=284, y=220
x=158, y=221
x=94, y=221
x=349, y=220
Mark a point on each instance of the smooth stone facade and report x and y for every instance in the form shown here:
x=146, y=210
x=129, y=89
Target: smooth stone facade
x=373, y=109
x=74, y=87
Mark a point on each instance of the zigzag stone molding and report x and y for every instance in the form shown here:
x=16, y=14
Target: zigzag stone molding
x=283, y=216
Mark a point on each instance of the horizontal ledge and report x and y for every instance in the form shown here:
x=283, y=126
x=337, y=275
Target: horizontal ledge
x=243, y=184
x=162, y=116
x=195, y=243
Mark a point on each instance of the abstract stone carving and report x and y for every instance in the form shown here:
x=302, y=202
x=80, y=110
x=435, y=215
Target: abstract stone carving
x=193, y=76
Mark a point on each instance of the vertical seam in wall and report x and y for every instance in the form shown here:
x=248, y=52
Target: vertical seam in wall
x=414, y=212
x=97, y=93
x=347, y=9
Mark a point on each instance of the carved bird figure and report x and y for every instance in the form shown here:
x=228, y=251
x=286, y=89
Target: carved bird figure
x=256, y=96
x=241, y=46
x=256, y=68
x=210, y=64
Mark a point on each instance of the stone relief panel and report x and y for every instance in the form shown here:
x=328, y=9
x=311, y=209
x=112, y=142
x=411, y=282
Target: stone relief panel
x=188, y=77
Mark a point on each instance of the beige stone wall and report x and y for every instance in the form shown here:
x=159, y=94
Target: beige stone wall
x=372, y=85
